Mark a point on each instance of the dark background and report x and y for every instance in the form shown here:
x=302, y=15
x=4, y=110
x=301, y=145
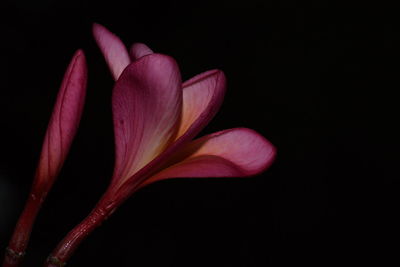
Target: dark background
x=318, y=80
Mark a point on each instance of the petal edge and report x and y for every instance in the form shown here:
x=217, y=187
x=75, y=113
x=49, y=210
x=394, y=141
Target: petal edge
x=238, y=152
x=147, y=104
x=64, y=121
x=139, y=50
x=112, y=48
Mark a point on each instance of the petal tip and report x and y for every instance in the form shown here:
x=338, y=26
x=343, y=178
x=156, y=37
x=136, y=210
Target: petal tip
x=204, y=76
x=80, y=55
x=268, y=152
x=96, y=28
x=160, y=60
x=79, y=62
x=139, y=50
x=270, y=157
x=112, y=48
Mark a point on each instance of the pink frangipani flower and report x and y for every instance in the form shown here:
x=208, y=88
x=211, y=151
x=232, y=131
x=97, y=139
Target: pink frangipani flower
x=156, y=117
x=60, y=132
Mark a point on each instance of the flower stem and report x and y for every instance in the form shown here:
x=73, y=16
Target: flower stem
x=68, y=245
x=19, y=240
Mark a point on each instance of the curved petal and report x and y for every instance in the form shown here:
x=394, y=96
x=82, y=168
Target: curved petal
x=139, y=50
x=236, y=152
x=64, y=121
x=114, y=51
x=202, y=98
x=147, y=104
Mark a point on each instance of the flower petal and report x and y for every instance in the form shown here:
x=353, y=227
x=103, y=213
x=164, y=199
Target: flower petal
x=139, y=50
x=64, y=121
x=202, y=98
x=236, y=152
x=147, y=105
x=203, y=95
x=114, y=51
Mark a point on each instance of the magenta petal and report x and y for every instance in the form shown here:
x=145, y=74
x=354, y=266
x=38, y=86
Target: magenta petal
x=139, y=50
x=203, y=95
x=114, y=51
x=64, y=121
x=231, y=153
x=147, y=104
x=202, y=98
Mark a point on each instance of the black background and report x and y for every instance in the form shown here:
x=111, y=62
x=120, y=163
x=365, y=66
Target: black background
x=318, y=80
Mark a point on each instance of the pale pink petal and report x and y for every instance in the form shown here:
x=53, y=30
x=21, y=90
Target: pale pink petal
x=147, y=105
x=64, y=121
x=139, y=50
x=202, y=98
x=114, y=51
x=231, y=153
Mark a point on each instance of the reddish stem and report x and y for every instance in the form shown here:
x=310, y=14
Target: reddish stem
x=19, y=240
x=69, y=244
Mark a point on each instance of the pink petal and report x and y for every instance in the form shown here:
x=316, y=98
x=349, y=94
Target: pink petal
x=202, y=98
x=147, y=105
x=64, y=121
x=203, y=95
x=114, y=51
x=139, y=50
x=231, y=153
